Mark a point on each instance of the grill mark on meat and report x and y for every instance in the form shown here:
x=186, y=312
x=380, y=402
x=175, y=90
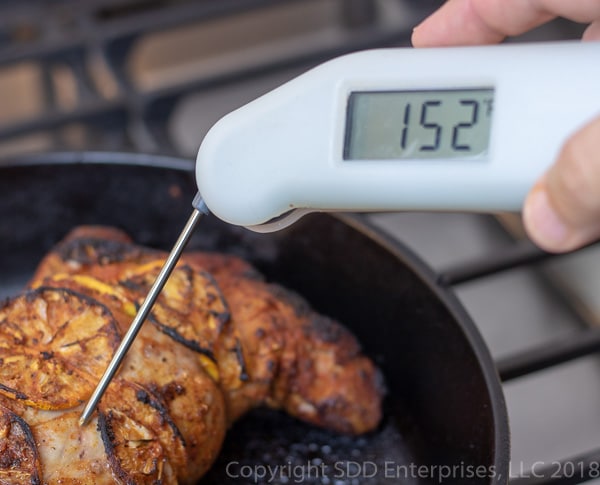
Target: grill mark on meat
x=175, y=335
x=131, y=285
x=14, y=392
x=222, y=316
x=108, y=438
x=239, y=355
x=98, y=251
x=31, y=295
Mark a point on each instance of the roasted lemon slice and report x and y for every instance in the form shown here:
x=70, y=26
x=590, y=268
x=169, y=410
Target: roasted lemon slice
x=190, y=308
x=142, y=442
x=20, y=463
x=54, y=345
x=94, y=288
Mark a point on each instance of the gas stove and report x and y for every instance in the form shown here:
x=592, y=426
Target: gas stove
x=152, y=76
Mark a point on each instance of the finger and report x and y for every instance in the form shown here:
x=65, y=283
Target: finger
x=584, y=11
x=593, y=31
x=461, y=22
x=563, y=211
x=465, y=22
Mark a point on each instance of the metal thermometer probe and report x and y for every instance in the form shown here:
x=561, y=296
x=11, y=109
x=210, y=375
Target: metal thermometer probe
x=200, y=209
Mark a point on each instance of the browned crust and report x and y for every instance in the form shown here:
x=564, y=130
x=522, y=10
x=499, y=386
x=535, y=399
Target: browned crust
x=164, y=419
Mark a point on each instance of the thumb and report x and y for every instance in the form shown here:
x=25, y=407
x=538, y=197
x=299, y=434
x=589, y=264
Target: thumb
x=562, y=211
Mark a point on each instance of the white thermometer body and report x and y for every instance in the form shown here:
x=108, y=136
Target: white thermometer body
x=468, y=128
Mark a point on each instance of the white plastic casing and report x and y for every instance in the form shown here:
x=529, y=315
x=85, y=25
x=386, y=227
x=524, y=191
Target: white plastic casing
x=284, y=150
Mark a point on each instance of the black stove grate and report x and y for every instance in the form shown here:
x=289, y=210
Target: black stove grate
x=582, y=342
x=73, y=34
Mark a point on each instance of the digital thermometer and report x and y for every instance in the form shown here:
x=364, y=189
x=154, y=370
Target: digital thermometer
x=462, y=128
x=467, y=128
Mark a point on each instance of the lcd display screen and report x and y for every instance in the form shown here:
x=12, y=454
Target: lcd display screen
x=432, y=124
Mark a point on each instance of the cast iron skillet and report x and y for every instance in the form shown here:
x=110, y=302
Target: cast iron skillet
x=444, y=414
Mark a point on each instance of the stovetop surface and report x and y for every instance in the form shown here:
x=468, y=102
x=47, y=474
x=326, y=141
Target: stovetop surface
x=553, y=413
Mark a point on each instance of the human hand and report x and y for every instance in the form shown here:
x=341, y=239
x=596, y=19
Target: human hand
x=562, y=211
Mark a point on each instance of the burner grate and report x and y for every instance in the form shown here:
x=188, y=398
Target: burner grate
x=91, y=42
x=581, y=343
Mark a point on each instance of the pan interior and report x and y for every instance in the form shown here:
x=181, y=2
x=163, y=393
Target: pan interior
x=439, y=411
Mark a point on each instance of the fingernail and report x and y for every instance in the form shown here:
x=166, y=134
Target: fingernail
x=543, y=222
